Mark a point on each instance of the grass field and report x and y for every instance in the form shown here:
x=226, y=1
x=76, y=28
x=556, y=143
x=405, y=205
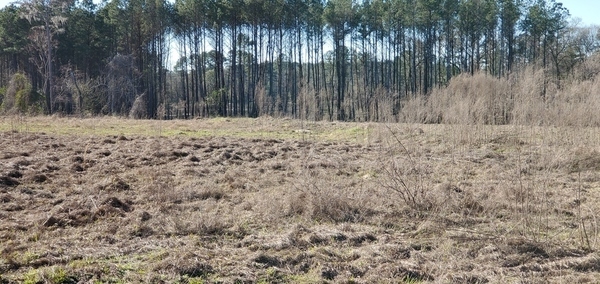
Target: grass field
x=266, y=200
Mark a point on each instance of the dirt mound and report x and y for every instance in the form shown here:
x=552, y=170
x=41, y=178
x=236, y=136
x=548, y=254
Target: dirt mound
x=8, y=181
x=113, y=204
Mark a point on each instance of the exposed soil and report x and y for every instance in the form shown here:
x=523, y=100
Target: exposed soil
x=413, y=204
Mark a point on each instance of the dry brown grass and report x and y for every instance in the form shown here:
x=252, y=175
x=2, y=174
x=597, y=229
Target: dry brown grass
x=243, y=200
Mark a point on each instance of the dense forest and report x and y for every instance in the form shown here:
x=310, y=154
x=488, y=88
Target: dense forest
x=313, y=59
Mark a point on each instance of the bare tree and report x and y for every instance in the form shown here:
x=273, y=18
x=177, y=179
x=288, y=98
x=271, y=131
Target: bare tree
x=47, y=18
x=121, y=81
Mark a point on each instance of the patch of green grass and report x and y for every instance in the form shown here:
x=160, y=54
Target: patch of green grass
x=82, y=263
x=271, y=275
x=409, y=280
x=195, y=280
x=346, y=132
x=117, y=268
x=28, y=257
x=309, y=277
x=32, y=277
x=60, y=276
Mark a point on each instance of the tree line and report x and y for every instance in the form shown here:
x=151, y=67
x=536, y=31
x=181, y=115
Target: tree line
x=314, y=59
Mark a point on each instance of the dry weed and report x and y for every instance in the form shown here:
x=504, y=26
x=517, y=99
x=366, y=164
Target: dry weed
x=495, y=204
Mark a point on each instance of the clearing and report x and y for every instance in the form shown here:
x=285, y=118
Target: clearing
x=288, y=201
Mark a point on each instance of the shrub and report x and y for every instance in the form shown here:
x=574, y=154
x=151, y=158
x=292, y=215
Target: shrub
x=2, y=92
x=138, y=110
x=20, y=97
x=527, y=97
x=477, y=99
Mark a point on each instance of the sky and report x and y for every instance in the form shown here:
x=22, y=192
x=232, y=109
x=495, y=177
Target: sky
x=586, y=10
x=4, y=3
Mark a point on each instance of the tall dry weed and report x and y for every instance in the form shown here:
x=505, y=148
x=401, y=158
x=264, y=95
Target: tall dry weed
x=138, y=110
x=477, y=99
x=310, y=102
x=526, y=97
x=576, y=105
x=531, y=95
x=382, y=106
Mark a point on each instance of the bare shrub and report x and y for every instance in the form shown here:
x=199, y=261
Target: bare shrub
x=381, y=106
x=206, y=224
x=477, y=99
x=263, y=102
x=589, y=69
x=88, y=95
x=297, y=204
x=527, y=97
x=575, y=105
x=451, y=199
x=333, y=206
x=138, y=109
x=407, y=182
x=310, y=104
x=404, y=175
x=539, y=101
x=121, y=75
x=211, y=224
x=529, y=107
x=417, y=110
